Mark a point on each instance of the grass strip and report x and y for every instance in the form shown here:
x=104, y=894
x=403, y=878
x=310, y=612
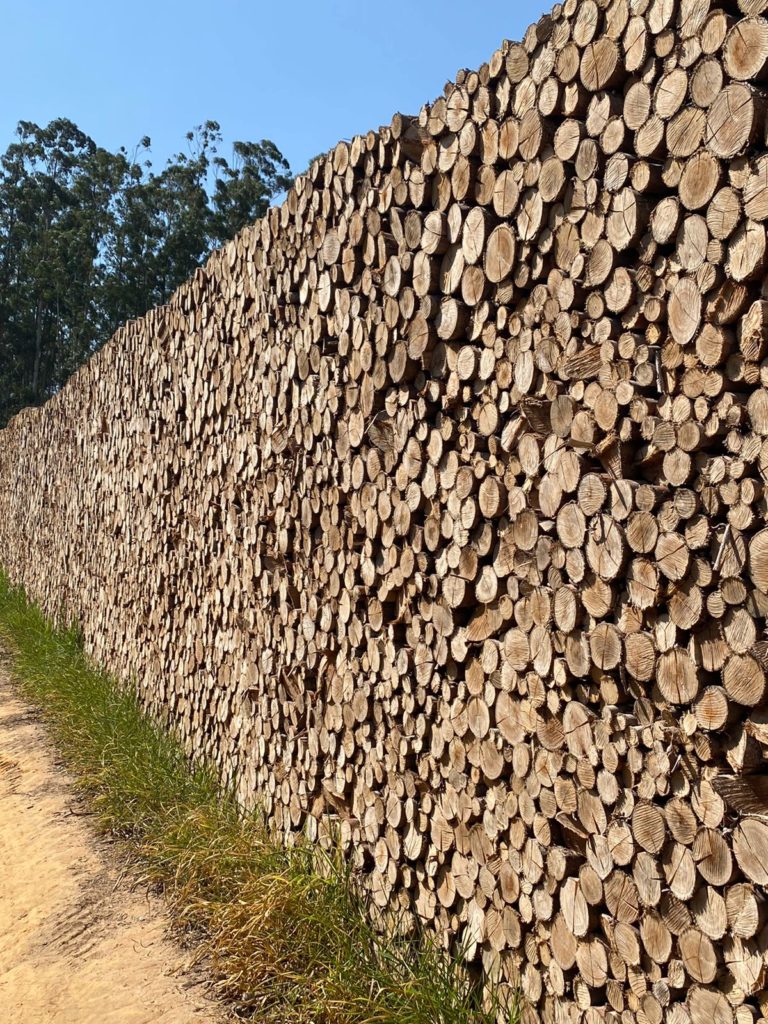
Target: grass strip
x=285, y=929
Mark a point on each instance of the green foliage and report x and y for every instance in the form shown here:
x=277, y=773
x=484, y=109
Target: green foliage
x=284, y=927
x=90, y=239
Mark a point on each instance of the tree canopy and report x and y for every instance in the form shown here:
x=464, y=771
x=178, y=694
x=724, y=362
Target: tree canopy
x=91, y=238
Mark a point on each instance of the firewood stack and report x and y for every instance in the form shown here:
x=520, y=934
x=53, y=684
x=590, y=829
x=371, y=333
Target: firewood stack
x=432, y=509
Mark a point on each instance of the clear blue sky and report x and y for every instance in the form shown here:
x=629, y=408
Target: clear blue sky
x=302, y=73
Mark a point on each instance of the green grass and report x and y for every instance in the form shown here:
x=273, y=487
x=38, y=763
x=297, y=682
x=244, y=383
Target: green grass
x=285, y=930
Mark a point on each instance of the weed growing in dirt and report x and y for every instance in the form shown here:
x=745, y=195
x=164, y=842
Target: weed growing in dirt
x=285, y=929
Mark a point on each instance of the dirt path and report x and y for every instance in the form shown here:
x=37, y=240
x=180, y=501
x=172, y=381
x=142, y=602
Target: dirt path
x=77, y=945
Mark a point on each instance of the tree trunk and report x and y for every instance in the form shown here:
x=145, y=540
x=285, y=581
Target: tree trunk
x=39, y=317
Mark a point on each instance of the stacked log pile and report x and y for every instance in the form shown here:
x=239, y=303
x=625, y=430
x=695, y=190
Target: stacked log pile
x=432, y=509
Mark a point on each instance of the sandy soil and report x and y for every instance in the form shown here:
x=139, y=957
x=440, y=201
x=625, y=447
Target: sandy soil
x=78, y=945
